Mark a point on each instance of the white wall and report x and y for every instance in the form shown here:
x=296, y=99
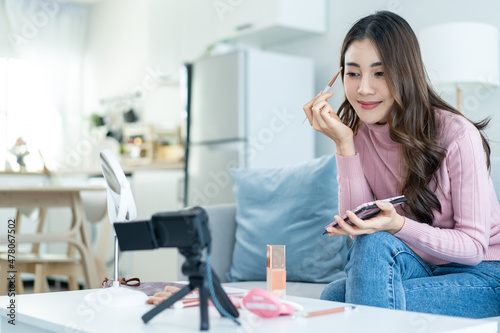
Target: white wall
x=118, y=62
x=129, y=40
x=115, y=58
x=325, y=50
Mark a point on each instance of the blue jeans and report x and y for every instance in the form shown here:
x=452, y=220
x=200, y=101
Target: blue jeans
x=383, y=271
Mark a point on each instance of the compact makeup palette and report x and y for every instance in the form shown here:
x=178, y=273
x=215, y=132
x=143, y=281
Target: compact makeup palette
x=368, y=210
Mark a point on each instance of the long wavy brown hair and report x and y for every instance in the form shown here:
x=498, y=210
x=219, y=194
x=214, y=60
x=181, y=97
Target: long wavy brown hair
x=412, y=121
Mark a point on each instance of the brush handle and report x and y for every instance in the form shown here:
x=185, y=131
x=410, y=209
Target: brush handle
x=327, y=88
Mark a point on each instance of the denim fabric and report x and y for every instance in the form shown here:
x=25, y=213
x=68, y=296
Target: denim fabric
x=383, y=271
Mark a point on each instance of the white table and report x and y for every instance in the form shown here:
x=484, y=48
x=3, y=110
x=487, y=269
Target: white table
x=65, y=312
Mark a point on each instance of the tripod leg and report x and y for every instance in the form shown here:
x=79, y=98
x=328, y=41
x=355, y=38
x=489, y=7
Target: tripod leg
x=222, y=297
x=167, y=303
x=204, y=326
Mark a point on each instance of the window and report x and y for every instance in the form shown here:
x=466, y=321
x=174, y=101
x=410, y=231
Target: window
x=41, y=90
x=27, y=110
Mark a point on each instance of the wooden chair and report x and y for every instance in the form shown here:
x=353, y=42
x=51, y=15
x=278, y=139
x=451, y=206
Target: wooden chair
x=44, y=265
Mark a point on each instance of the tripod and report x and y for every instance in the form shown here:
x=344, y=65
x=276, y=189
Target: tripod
x=196, y=270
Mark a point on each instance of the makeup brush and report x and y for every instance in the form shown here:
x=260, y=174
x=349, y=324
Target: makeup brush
x=328, y=86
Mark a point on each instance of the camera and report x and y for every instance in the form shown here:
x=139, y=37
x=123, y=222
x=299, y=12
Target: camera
x=188, y=231
x=185, y=229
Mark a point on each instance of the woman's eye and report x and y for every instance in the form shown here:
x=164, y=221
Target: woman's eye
x=379, y=74
x=352, y=74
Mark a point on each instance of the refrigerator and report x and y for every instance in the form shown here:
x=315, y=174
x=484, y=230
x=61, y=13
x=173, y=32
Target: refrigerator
x=244, y=110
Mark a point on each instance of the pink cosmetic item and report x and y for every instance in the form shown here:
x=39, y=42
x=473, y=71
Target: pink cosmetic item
x=276, y=270
x=265, y=305
x=368, y=210
x=329, y=85
x=328, y=311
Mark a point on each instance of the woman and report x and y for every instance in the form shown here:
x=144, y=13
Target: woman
x=439, y=252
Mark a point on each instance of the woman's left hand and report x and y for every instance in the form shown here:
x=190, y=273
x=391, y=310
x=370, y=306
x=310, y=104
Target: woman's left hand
x=161, y=296
x=388, y=220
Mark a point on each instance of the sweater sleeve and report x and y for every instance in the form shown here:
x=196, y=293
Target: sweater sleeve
x=354, y=190
x=466, y=243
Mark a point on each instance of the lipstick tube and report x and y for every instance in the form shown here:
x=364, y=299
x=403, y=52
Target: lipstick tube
x=276, y=270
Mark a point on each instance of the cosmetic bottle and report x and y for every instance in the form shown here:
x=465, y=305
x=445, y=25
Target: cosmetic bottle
x=276, y=270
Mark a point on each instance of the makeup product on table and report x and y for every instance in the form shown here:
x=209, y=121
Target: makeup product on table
x=328, y=311
x=368, y=210
x=267, y=305
x=328, y=86
x=276, y=270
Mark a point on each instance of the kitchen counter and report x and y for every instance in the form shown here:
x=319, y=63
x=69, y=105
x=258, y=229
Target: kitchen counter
x=131, y=168
x=95, y=171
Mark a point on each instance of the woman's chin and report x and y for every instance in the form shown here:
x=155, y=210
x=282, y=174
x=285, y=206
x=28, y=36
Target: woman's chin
x=373, y=121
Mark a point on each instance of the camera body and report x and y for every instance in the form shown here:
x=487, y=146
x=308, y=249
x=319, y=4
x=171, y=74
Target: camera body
x=186, y=229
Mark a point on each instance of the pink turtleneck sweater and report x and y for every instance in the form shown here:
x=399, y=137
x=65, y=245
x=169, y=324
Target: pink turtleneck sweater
x=467, y=230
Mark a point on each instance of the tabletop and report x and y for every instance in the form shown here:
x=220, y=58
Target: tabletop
x=46, y=196
x=38, y=189
x=69, y=312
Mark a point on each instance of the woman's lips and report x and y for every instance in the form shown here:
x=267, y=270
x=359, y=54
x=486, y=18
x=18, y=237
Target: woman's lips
x=368, y=105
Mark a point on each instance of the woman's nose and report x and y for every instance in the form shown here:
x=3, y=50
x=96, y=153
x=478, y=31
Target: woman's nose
x=366, y=86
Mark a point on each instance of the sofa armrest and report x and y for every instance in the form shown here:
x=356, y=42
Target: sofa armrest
x=222, y=223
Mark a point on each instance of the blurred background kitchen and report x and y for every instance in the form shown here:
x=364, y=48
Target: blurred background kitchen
x=146, y=78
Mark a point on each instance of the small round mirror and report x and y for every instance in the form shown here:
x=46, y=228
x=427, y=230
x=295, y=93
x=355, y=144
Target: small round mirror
x=121, y=204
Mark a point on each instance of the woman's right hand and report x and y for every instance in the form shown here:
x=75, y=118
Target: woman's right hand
x=324, y=120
